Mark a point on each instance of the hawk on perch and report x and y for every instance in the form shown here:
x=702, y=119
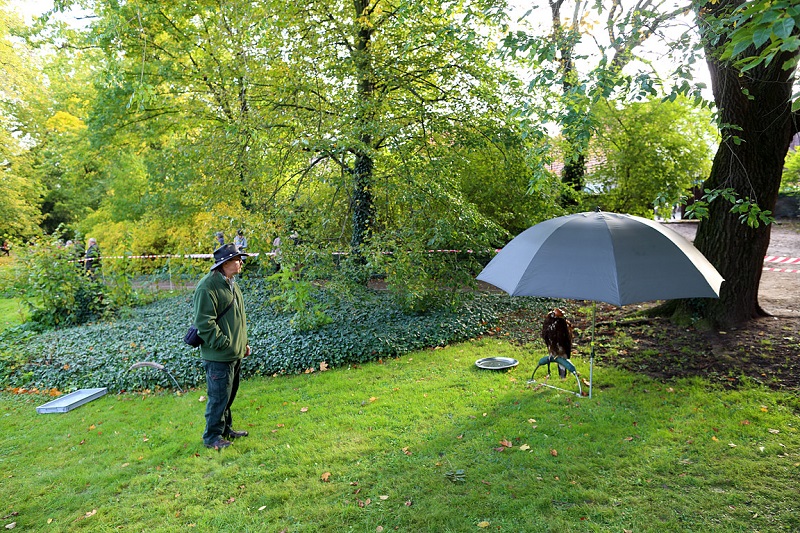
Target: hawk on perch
x=557, y=336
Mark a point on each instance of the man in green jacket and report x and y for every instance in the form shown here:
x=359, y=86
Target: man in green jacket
x=222, y=324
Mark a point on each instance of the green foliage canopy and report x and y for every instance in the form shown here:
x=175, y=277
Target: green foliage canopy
x=648, y=151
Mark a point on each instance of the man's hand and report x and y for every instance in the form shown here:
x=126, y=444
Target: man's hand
x=247, y=351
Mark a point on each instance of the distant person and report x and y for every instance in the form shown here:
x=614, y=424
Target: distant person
x=6, y=248
x=276, y=252
x=220, y=238
x=91, y=259
x=220, y=320
x=240, y=240
x=77, y=251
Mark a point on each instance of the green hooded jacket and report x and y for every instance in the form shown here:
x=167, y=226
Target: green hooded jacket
x=225, y=341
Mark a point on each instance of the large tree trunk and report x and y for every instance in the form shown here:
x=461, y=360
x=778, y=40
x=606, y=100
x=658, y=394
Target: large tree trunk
x=759, y=102
x=362, y=204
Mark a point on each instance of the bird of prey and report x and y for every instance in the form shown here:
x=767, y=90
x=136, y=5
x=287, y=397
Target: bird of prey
x=557, y=336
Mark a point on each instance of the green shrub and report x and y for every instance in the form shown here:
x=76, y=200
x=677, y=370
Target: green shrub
x=296, y=295
x=54, y=286
x=421, y=280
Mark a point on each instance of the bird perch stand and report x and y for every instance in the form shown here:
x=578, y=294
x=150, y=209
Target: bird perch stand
x=545, y=361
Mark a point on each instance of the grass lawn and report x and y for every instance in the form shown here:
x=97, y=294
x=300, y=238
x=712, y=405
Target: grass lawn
x=11, y=313
x=369, y=449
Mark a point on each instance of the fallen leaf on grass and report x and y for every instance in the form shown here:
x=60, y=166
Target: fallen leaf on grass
x=524, y=447
x=201, y=399
x=262, y=507
x=406, y=450
x=323, y=366
x=774, y=431
x=383, y=497
x=326, y=477
x=483, y=524
x=554, y=453
x=12, y=525
x=506, y=443
x=230, y=500
x=87, y=515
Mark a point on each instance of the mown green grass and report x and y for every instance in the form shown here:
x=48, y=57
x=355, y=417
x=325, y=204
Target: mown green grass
x=11, y=313
x=639, y=455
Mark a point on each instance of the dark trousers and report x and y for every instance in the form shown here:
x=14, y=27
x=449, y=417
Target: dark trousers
x=222, y=380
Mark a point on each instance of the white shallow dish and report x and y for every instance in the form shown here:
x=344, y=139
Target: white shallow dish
x=496, y=363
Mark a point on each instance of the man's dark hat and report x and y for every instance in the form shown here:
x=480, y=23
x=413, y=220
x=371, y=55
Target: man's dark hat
x=226, y=252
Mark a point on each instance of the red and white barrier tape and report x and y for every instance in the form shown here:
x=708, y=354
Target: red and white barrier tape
x=784, y=260
x=767, y=259
x=178, y=256
x=789, y=270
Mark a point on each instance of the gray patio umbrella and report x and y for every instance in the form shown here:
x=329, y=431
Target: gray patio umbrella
x=605, y=257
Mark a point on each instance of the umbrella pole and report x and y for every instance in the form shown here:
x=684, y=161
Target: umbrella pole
x=591, y=350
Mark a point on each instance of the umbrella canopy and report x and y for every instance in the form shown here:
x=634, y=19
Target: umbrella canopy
x=606, y=257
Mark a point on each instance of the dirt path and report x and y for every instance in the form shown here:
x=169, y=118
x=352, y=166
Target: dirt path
x=779, y=292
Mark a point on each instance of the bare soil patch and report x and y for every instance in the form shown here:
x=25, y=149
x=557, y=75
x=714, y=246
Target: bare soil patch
x=766, y=350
